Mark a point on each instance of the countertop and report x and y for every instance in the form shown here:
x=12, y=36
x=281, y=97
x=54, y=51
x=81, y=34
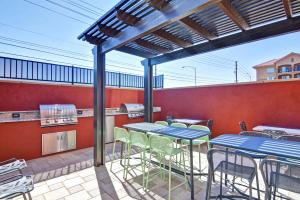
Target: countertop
x=34, y=115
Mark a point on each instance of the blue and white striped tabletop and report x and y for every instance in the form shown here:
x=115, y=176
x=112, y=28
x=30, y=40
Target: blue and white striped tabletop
x=180, y=133
x=281, y=148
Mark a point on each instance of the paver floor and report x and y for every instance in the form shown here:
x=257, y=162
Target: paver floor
x=71, y=176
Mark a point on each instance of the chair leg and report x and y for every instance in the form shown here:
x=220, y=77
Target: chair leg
x=221, y=184
x=144, y=166
x=148, y=172
x=29, y=195
x=24, y=196
x=184, y=171
x=250, y=190
x=128, y=159
x=208, y=184
x=199, y=149
x=257, y=183
x=170, y=178
x=113, y=155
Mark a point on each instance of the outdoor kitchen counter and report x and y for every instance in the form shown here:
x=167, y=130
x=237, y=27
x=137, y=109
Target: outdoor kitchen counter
x=34, y=115
x=22, y=138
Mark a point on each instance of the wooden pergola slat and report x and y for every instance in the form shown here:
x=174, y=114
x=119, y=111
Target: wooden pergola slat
x=197, y=28
x=172, y=38
x=287, y=8
x=150, y=46
x=233, y=14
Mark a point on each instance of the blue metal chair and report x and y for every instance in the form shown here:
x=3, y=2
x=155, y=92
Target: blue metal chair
x=276, y=176
x=229, y=163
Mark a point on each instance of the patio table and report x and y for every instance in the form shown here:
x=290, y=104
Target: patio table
x=280, y=148
x=188, y=121
x=287, y=130
x=180, y=133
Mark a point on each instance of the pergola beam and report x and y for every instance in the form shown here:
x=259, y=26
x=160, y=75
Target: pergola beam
x=287, y=8
x=171, y=38
x=127, y=18
x=233, y=14
x=197, y=28
x=156, y=20
x=158, y=4
x=251, y=35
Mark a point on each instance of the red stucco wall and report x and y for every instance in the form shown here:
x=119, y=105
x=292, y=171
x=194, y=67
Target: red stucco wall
x=276, y=103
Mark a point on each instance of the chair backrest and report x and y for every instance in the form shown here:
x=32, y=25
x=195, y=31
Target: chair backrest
x=179, y=125
x=282, y=174
x=275, y=133
x=138, y=139
x=255, y=134
x=238, y=162
x=295, y=138
x=121, y=134
x=161, y=144
x=199, y=127
x=243, y=126
x=164, y=123
x=210, y=124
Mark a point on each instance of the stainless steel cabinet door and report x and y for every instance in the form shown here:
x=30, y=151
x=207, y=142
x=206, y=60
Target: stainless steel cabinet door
x=68, y=140
x=57, y=142
x=110, y=124
x=50, y=143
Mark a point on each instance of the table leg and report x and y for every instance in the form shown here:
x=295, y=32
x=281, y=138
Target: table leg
x=191, y=169
x=226, y=166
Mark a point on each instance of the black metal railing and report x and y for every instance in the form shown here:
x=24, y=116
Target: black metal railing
x=11, y=68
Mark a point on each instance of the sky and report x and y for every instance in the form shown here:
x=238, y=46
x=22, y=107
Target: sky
x=47, y=30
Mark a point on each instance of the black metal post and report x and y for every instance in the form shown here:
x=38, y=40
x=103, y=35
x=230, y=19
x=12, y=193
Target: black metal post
x=148, y=90
x=72, y=75
x=99, y=106
x=192, y=170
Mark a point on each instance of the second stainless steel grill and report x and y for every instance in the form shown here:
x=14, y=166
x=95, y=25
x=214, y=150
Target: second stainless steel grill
x=58, y=114
x=134, y=110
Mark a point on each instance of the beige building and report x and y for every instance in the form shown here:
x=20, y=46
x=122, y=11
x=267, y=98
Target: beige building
x=287, y=67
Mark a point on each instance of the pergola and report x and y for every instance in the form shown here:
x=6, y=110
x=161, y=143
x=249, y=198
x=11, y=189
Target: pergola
x=166, y=30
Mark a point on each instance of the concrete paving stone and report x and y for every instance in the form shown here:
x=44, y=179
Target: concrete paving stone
x=82, y=195
x=56, y=194
x=56, y=186
x=39, y=190
x=95, y=192
x=90, y=185
x=55, y=180
x=72, y=182
x=75, y=189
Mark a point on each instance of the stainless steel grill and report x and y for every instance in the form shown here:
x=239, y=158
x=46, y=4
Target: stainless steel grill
x=134, y=110
x=58, y=114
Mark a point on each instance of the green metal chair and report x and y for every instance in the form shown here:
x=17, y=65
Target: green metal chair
x=164, y=148
x=164, y=123
x=141, y=141
x=121, y=135
x=179, y=125
x=198, y=141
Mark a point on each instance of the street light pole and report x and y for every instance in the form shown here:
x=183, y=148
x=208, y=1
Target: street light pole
x=195, y=71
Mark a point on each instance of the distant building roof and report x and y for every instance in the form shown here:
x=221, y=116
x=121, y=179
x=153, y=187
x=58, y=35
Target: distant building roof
x=273, y=61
